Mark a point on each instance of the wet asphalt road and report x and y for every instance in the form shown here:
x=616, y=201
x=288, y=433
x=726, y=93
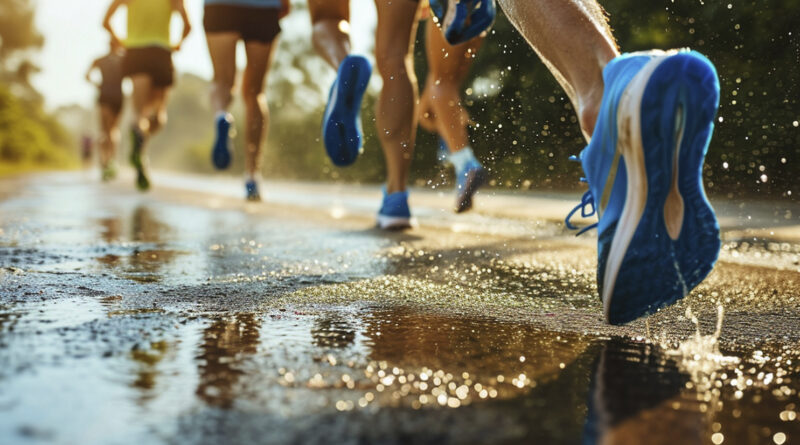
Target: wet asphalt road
x=188, y=316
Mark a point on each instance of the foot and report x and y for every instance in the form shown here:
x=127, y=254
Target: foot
x=251, y=191
x=462, y=20
x=469, y=180
x=138, y=161
x=658, y=236
x=341, y=125
x=221, y=152
x=394, y=213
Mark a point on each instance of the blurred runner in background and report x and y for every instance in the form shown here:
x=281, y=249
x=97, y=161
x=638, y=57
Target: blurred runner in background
x=256, y=23
x=148, y=63
x=109, y=104
x=442, y=112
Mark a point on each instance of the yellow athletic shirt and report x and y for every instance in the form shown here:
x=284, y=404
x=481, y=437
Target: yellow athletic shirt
x=148, y=23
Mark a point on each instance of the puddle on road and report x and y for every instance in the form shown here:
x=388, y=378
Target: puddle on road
x=371, y=359
x=339, y=373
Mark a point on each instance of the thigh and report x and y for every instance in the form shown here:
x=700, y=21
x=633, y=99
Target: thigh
x=329, y=10
x=222, y=49
x=142, y=86
x=259, y=57
x=108, y=118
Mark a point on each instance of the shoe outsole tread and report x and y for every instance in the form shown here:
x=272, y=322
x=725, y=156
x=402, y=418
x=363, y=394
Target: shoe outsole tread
x=341, y=130
x=476, y=179
x=657, y=269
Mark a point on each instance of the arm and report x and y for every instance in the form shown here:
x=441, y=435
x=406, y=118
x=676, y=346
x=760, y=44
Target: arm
x=89, y=73
x=177, y=5
x=115, y=4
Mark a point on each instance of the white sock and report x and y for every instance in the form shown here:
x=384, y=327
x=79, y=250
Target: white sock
x=461, y=158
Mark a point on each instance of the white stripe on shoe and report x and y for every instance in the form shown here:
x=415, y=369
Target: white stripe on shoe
x=630, y=147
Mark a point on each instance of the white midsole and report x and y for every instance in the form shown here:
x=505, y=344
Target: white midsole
x=629, y=143
x=450, y=14
x=393, y=222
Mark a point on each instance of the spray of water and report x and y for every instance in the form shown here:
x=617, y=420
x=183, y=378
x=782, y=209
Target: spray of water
x=699, y=355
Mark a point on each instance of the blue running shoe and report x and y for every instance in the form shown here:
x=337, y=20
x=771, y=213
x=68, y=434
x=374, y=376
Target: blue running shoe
x=658, y=236
x=469, y=181
x=462, y=20
x=443, y=153
x=221, y=152
x=251, y=190
x=394, y=213
x=341, y=125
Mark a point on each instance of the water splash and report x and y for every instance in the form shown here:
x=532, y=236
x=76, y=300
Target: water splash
x=699, y=355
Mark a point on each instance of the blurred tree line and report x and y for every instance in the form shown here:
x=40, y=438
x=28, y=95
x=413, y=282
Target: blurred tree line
x=29, y=137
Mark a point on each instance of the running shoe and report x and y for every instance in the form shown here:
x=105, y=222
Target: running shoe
x=221, y=152
x=658, y=236
x=468, y=182
x=251, y=190
x=443, y=153
x=341, y=125
x=394, y=213
x=108, y=172
x=138, y=160
x=462, y=20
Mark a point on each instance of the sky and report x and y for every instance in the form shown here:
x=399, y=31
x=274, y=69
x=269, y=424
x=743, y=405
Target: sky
x=74, y=37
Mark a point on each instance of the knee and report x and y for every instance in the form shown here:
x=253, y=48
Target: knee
x=224, y=84
x=252, y=95
x=393, y=66
x=157, y=121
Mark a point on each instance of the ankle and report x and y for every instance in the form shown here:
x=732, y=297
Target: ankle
x=588, y=110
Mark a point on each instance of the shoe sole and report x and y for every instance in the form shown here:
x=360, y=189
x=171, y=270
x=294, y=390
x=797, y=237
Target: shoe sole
x=458, y=11
x=341, y=129
x=475, y=180
x=221, y=154
x=667, y=238
x=386, y=222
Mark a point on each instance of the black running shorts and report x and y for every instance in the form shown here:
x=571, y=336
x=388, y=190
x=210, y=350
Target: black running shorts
x=154, y=61
x=259, y=24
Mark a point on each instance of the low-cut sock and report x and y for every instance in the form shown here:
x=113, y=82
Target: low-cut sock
x=462, y=158
x=223, y=115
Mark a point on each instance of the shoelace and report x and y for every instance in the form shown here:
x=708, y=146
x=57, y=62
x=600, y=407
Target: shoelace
x=586, y=200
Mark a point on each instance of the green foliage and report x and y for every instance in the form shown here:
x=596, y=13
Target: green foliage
x=754, y=45
x=29, y=138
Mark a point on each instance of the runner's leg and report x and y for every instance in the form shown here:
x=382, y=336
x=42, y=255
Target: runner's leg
x=578, y=61
x=396, y=116
x=330, y=22
x=448, y=67
x=110, y=134
x=222, y=48
x=259, y=57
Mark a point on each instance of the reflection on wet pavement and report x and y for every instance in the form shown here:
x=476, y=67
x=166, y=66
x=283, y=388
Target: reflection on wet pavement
x=133, y=320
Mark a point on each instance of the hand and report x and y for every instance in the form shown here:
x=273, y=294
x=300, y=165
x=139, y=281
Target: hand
x=285, y=8
x=116, y=43
x=187, y=28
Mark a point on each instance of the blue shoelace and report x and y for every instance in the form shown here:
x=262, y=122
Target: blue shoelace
x=586, y=200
